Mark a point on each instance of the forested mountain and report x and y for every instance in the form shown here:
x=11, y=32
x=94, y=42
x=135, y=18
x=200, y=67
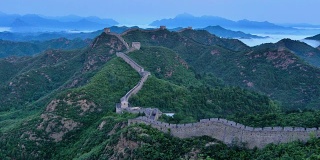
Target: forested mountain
x=226, y=33
x=9, y=48
x=316, y=37
x=61, y=104
x=301, y=49
x=279, y=74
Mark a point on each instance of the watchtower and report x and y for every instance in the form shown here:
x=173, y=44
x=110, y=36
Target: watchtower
x=163, y=27
x=124, y=103
x=106, y=30
x=136, y=45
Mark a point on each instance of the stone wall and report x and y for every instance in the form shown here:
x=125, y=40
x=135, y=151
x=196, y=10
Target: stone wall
x=131, y=62
x=139, y=29
x=184, y=29
x=144, y=76
x=231, y=132
x=120, y=38
x=136, y=88
x=226, y=131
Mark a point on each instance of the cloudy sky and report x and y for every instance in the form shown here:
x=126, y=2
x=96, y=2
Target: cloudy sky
x=145, y=11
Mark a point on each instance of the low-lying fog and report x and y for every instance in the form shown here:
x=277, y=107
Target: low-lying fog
x=273, y=38
x=4, y=29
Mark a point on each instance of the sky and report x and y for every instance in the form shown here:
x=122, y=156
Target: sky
x=131, y=12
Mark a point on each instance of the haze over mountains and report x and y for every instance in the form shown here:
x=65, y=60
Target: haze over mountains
x=36, y=23
x=185, y=20
x=73, y=22
x=36, y=27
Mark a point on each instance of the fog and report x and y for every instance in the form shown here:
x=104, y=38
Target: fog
x=273, y=38
x=4, y=29
x=312, y=43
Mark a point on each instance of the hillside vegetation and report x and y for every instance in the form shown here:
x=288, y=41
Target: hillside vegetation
x=10, y=48
x=280, y=74
x=61, y=104
x=301, y=49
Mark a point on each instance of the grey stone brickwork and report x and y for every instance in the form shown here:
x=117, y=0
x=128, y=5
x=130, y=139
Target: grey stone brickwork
x=231, y=132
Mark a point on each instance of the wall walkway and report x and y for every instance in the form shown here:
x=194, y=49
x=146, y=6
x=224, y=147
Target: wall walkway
x=231, y=132
x=226, y=131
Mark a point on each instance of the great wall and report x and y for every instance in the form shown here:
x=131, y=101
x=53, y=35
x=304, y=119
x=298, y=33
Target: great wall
x=228, y=132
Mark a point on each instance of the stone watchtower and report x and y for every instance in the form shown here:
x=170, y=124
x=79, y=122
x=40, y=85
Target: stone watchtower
x=163, y=27
x=106, y=30
x=124, y=104
x=136, y=45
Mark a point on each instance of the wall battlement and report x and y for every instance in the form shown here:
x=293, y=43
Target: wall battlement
x=226, y=131
x=231, y=132
x=107, y=31
x=140, y=70
x=154, y=113
x=131, y=62
x=142, y=30
x=184, y=29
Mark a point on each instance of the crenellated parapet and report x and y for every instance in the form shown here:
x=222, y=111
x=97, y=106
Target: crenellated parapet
x=231, y=132
x=108, y=31
x=131, y=62
x=184, y=29
x=124, y=105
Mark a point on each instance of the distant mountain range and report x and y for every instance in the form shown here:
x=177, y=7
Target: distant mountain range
x=185, y=20
x=216, y=30
x=226, y=33
x=222, y=32
x=32, y=22
x=44, y=36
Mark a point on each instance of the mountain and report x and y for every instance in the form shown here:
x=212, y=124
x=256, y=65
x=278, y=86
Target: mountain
x=301, y=49
x=185, y=20
x=75, y=18
x=19, y=23
x=45, y=36
x=35, y=23
x=9, y=48
x=316, y=37
x=277, y=73
x=225, y=33
x=61, y=104
x=301, y=25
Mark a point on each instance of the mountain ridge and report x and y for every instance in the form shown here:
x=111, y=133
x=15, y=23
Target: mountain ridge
x=185, y=20
x=234, y=61
x=225, y=33
x=37, y=22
